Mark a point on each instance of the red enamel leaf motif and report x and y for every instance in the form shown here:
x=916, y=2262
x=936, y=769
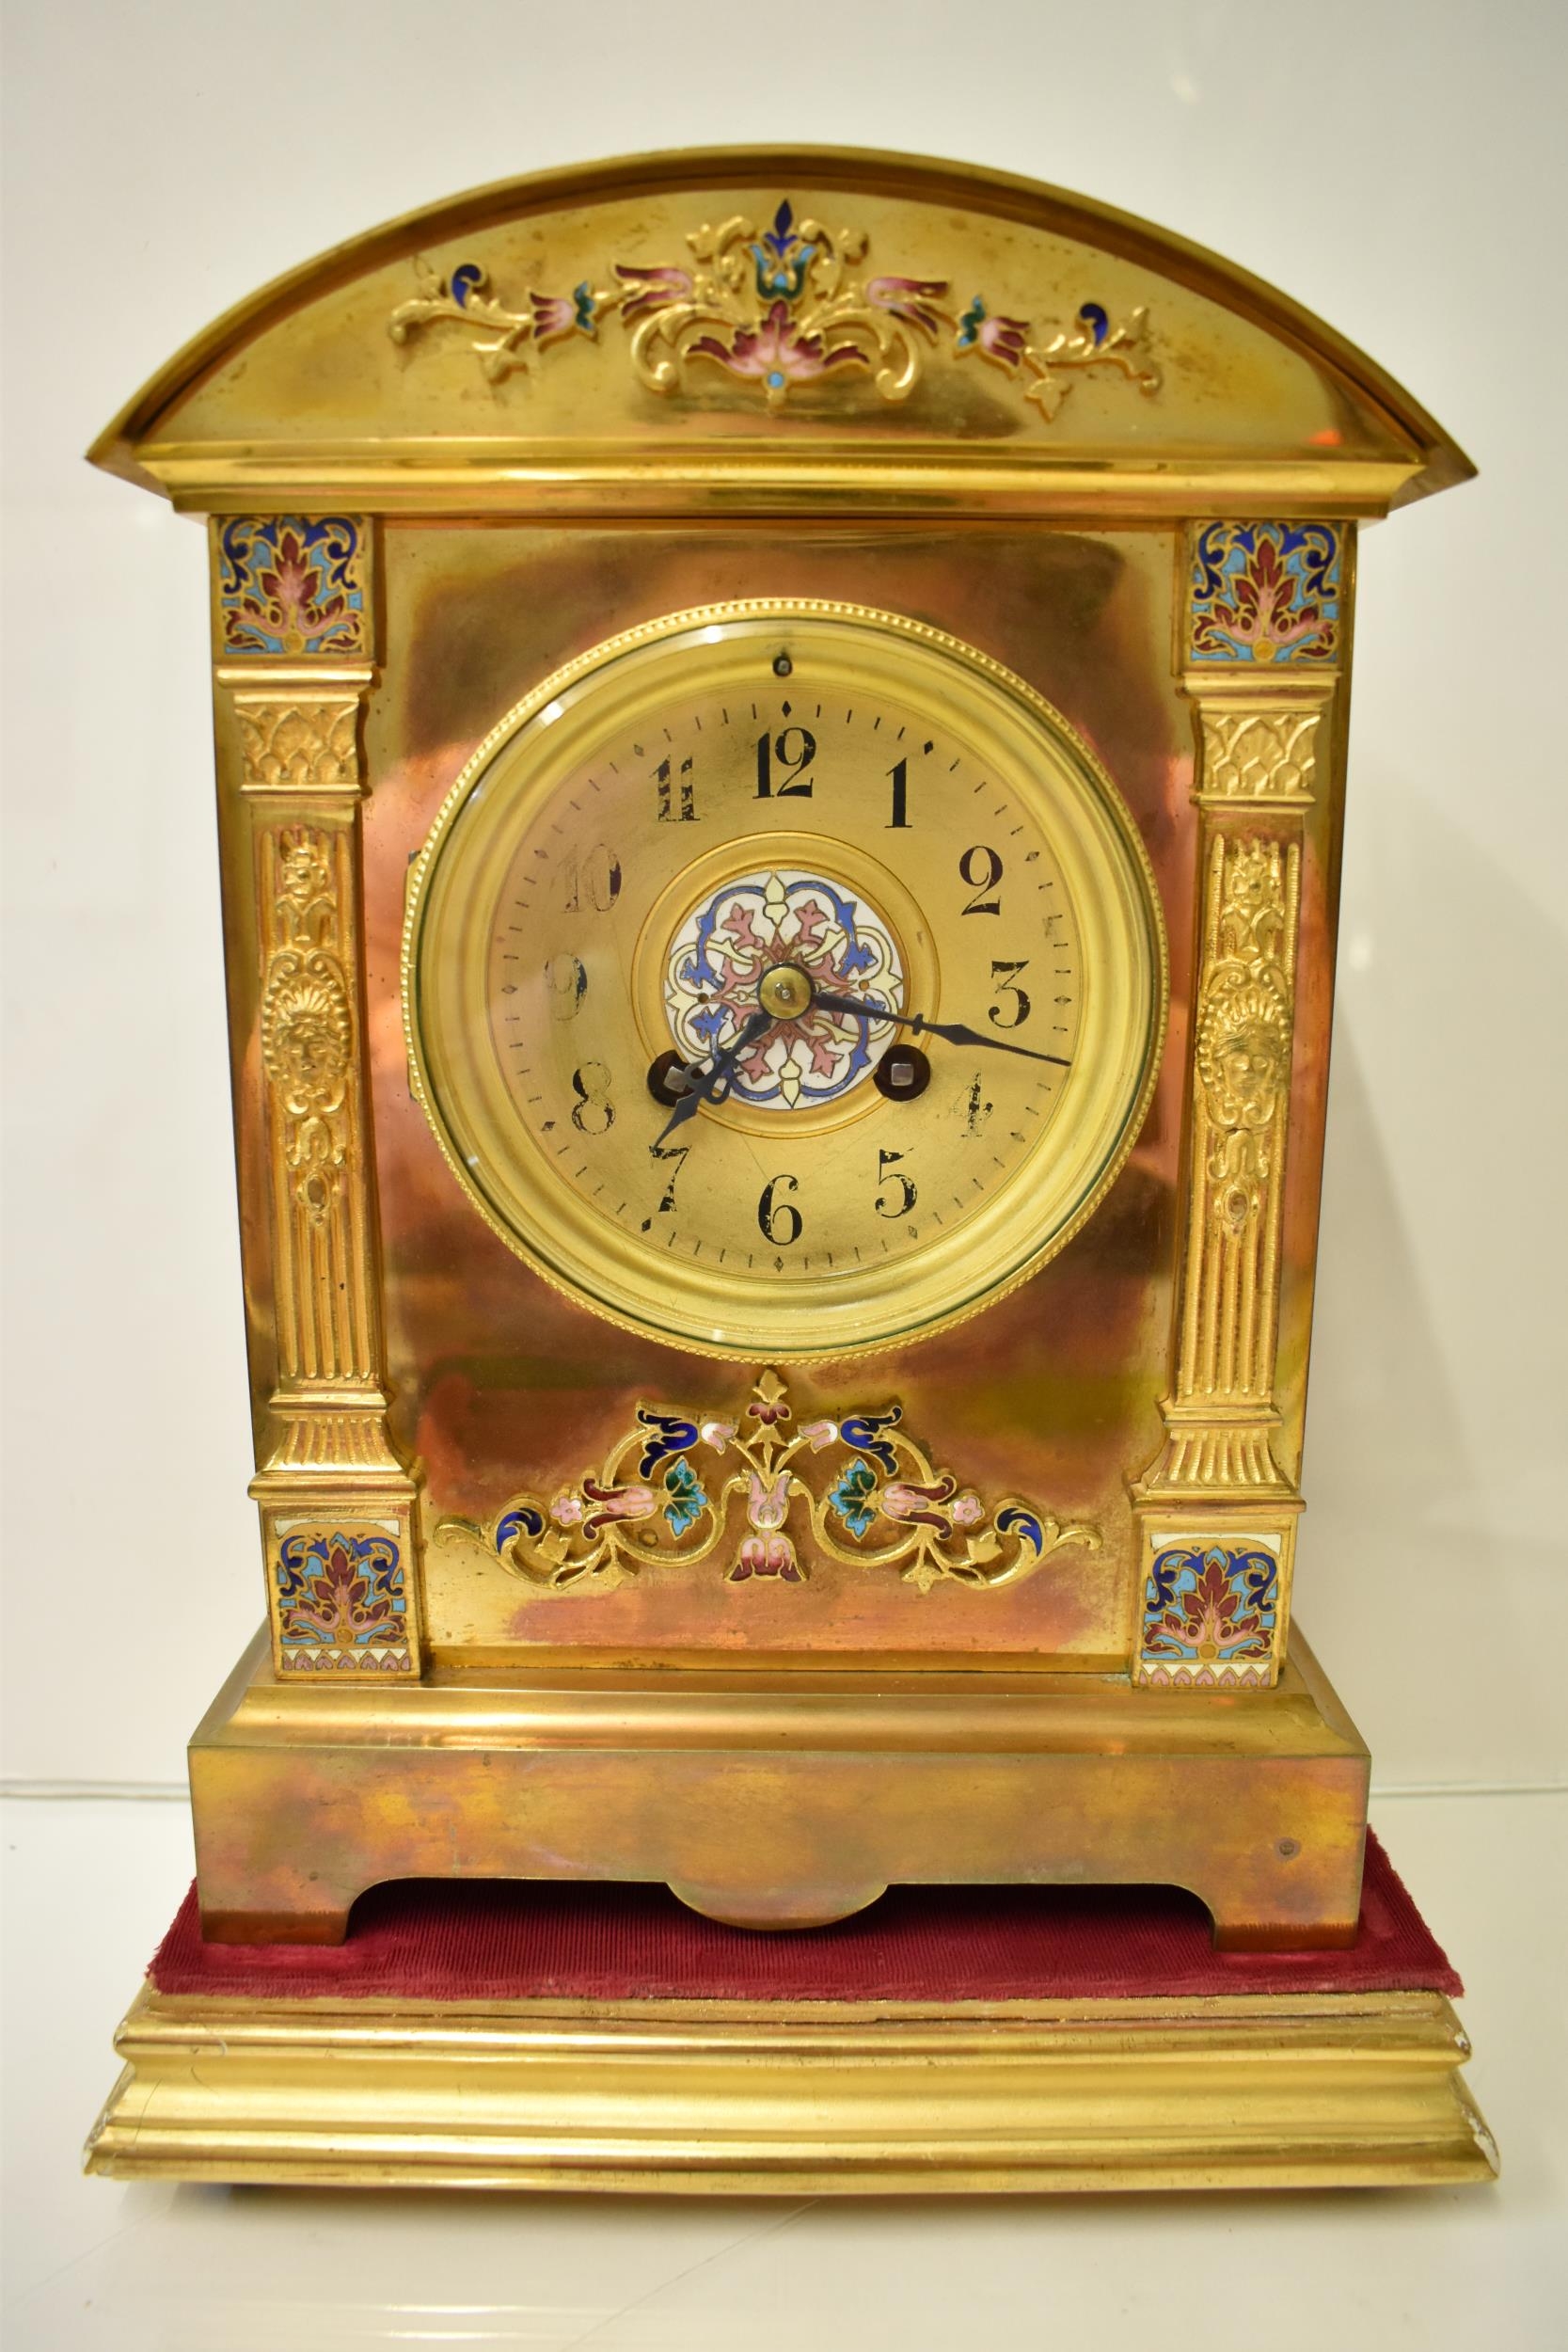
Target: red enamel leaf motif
x=824, y=1052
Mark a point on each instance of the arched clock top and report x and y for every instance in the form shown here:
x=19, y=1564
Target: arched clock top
x=766, y=329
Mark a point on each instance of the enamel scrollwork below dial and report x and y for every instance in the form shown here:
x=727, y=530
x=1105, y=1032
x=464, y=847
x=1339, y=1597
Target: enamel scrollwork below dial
x=684, y=852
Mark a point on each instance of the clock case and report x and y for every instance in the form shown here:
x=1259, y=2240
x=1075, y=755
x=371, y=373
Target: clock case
x=444, y=461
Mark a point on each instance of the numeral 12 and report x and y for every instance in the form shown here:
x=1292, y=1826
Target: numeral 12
x=780, y=769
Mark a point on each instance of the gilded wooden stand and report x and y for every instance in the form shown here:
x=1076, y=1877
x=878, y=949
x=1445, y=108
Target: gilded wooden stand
x=746, y=2099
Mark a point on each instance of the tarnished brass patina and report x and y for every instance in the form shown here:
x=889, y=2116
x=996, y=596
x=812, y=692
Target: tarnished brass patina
x=689, y=1446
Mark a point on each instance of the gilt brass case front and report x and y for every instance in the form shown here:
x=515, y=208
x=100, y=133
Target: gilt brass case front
x=510, y=1394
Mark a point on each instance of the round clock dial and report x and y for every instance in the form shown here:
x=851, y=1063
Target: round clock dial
x=783, y=980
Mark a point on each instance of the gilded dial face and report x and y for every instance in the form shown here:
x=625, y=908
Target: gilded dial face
x=783, y=980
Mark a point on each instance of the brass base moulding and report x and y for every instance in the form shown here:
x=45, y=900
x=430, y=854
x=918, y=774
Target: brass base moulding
x=738, y=2098
x=781, y=1800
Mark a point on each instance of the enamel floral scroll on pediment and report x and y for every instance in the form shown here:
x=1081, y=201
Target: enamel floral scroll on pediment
x=778, y=308
x=676, y=1489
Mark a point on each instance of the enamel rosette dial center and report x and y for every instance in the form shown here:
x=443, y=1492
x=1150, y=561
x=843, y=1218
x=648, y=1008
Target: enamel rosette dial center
x=707, y=844
x=773, y=938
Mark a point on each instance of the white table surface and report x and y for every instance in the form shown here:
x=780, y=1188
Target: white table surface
x=89, y=2263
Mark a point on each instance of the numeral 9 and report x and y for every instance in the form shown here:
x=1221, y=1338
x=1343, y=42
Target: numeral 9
x=567, y=983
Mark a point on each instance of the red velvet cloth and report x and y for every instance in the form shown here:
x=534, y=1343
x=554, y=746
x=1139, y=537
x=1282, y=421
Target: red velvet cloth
x=516, y=1940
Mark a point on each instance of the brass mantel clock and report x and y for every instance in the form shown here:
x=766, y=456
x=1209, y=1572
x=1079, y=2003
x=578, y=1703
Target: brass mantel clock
x=781, y=725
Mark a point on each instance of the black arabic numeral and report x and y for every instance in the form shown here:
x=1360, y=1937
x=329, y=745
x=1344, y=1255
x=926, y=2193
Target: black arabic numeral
x=668, y=783
x=593, y=879
x=1004, y=985
x=899, y=776
x=567, y=983
x=792, y=764
x=985, y=878
x=677, y=1152
x=891, y=1203
x=593, y=1113
x=781, y=1220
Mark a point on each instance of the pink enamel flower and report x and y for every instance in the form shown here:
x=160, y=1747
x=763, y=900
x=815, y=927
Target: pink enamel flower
x=766, y=1552
x=917, y=1506
x=608, y=1504
x=767, y=1555
x=553, y=314
x=652, y=289
x=1004, y=338
x=999, y=338
x=776, y=354
x=909, y=299
x=768, y=1501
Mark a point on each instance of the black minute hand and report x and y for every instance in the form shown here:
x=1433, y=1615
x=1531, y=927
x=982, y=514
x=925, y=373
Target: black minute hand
x=706, y=1086
x=955, y=1032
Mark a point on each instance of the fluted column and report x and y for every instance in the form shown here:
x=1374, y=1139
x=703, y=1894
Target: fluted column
x=339, y=1530
x=1217, y=1515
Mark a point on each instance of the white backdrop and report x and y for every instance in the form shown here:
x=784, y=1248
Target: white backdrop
x=1396, y=165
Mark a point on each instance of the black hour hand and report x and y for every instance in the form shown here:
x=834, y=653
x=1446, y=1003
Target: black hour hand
x=705, y=1086
x=955, y=1032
